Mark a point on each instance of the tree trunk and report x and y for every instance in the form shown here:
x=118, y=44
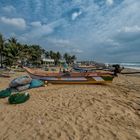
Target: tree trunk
x=1, y=59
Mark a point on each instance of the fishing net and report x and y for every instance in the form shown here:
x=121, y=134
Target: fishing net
x=24, y=87
x=23, y=80
x=5, y=93
x=36, y=83
x=18, y=98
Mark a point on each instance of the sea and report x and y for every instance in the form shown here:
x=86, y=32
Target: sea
x=132, y=65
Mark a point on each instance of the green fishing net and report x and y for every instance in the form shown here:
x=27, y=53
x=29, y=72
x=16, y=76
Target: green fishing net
x=18, y=98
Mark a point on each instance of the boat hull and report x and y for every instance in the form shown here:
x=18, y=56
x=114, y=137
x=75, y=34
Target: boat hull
x=74, y=80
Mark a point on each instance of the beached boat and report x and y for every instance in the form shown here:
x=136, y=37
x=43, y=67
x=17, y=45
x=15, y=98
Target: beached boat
x=4, y=75
x=86, y=68
x=79, y=69
x=71, y=77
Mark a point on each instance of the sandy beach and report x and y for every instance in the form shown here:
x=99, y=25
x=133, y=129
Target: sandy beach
x=74, y=112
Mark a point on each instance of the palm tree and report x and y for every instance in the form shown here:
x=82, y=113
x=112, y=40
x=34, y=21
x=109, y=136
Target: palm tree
x=68, y=58
x=12, y=40
x=51, y=54
x=1, y=49
x=58, y=55
x=73, y=58
x=14, y=49
x=65, y=56
x=13, y=52
x=34, y=54
x=47, y=54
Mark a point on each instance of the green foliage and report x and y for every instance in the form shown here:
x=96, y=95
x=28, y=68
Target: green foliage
x=1, y=49
x=13, y=52
x=69, y=59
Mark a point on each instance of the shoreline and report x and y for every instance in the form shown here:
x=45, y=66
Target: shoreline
x=131, y=69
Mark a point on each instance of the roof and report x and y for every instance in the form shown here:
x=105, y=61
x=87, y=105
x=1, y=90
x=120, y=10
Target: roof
x=48, y=60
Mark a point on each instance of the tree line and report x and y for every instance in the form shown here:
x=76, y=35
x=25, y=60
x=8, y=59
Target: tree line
x=11, y=52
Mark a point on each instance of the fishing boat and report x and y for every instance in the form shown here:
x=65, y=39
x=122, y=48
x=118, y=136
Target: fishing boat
x=86, y=68
x=82, y=69
x=4, y=75
x=71, y=77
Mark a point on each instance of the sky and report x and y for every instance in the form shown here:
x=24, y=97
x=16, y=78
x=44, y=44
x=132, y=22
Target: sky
x=101, y=30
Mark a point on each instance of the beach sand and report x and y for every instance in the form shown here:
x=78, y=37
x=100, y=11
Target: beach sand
x=74, y=112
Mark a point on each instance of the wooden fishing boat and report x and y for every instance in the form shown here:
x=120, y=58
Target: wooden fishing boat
x=4, y=75
x=86, y=69
x=71, y=77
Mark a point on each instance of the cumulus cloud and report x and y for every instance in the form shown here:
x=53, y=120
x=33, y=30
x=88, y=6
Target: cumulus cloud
x=36, y=24
x=109, y=2
x=16, y=22
x=60, y=44
x=131, y=29
x=37, y=33
x=65, y=45
x=58, y=41
x=9, y=8
x=76, y=14
x=40, y=31
x=77, y=51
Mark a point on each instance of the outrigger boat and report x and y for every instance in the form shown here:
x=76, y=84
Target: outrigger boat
x=80, y=69
x=71, y=77
x=4, y=75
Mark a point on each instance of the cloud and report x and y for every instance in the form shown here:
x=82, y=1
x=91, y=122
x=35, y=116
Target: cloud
x=36, y=24
x=16, y=22
x=77, y=51
x=131, y=29
x=9, y=9
x=76, y=14
x=59, y=41
x=40, y=31
x=109, y=2
x=112, y=42
x=37, y=33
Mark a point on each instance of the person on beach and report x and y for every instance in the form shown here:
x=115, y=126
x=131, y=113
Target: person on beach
x=116, y=69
